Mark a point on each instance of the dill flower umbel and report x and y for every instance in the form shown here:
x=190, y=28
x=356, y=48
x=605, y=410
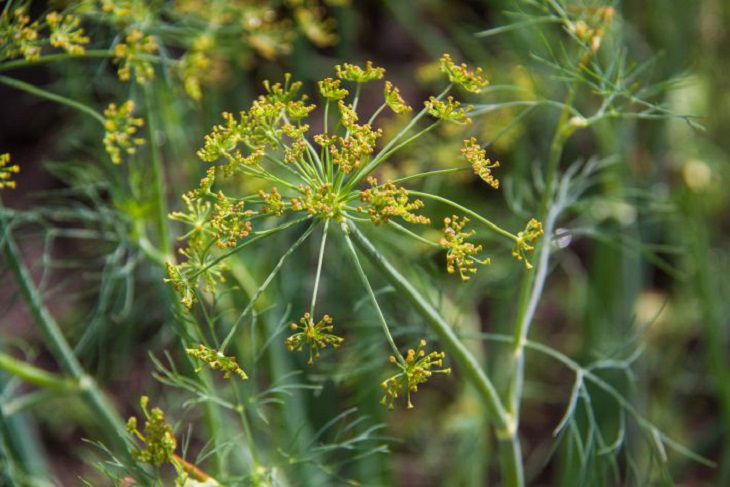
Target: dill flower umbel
x=449, y=110
x=120, y=128
x=217, y=361
x=460, y=254
x=389, y=201
x=471, y=80
x=131, y=54
x=482, y=166
x=533, y=230
x=417, y=368
x=356, y=74
x=7, y=171
x=19, y=36
x=393, y=99
x=315, y=336
x=157, y=436
x=66, y=33
x=330, y=89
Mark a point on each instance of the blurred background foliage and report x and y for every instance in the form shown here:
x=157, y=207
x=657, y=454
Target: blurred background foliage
x=643, y=270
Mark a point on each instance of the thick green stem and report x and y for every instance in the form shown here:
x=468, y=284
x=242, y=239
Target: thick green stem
x=531, y=291
x=468, y=365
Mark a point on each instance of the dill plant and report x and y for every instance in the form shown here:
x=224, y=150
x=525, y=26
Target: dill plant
x=272, y=174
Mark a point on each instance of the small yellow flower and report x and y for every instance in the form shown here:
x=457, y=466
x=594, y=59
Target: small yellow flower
x=449, y=110
x=314, y=335
x=19, y=36
x=330, y=89
x=6, y=172
x=473, y=81
x=195, y=67
x=66, y=33
x=356, y=74
x=390, y=201
x=460, y=254
x=157, y=436
x=482, y=166
x=130, y=55
x=418, y=368
x=273, y=205
x=120, y=128
x=533, y=230
x=217, y=361
x=394, y=100
x=315, y=26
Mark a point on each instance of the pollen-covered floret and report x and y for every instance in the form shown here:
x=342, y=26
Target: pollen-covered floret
x=482, y=166
x=195, y=67
x=393, y=99
x=229, y=221
x=471, y=80
x=272, y=202
x=322, y=202
x=449, y=110
x=356, y=74
x=7, y=171
x=417, y=369
x=330, y=89
x=460, y=254
x=157, y=436
x=315, y=336
x=66, y=33
x=19, y=36
x=131, y=55
x=524, y=241
x=388, y=201
x=217, y=361
x=120, y=128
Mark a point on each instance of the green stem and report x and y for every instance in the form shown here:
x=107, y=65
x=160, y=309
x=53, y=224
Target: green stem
x=368, y=287
x=41, y=93
x=469, y=212
x=360, y=175
x=319, y=268
x=467, y=362
x=437, y=172
x=158, y=177
x=53, y=58
x=33, y=375
x=264, y=285
x=531, y=288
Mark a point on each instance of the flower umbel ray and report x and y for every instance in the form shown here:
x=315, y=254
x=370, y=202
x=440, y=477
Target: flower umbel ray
x=417, y=369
